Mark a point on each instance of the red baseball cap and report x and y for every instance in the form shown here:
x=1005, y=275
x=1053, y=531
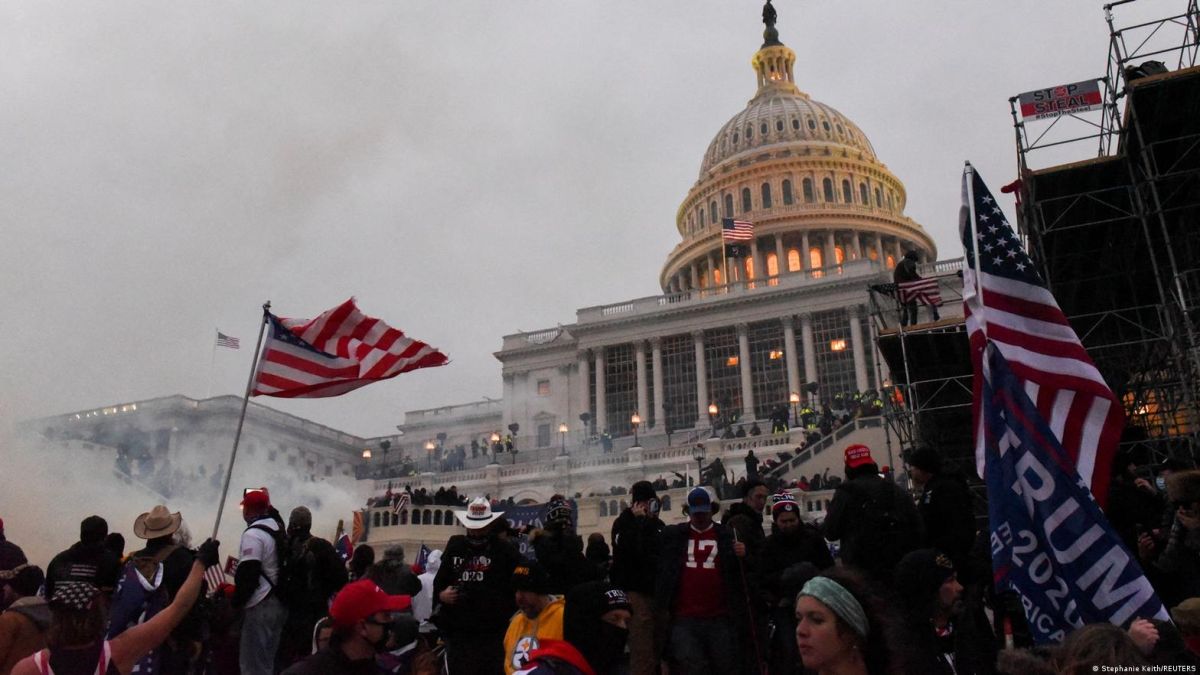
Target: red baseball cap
x=256, y=499
x=858, y=455
x=359, y=600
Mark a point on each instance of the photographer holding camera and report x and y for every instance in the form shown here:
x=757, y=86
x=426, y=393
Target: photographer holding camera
x=635, y=537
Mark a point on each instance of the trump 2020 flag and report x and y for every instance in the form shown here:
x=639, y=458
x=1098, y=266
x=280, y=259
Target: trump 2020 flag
x=339, y=351
x=1049, y=540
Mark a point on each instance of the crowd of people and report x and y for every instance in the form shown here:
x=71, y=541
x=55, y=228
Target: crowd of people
x=751, y=588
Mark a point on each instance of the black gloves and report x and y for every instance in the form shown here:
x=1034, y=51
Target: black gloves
x=208, y=554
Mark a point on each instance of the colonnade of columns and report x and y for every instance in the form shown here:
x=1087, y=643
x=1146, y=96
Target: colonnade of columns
x=595, y=358
x=855, y=245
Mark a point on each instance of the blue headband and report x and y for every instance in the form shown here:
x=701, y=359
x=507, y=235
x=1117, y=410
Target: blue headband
x=841, y=601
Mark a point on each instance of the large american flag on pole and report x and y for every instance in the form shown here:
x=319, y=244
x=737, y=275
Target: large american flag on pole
x=339, y=351
x=1006, y=301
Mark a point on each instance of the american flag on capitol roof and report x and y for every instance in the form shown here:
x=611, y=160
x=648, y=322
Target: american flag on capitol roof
x=228, y=341
x=1005, y=302
x=339, y=351
x=736, y=230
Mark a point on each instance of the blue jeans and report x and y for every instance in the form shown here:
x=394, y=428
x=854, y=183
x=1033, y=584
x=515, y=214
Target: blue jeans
x=262, y=625
x=700, y=646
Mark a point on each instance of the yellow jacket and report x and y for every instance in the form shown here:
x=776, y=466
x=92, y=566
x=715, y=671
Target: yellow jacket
x=525, y=634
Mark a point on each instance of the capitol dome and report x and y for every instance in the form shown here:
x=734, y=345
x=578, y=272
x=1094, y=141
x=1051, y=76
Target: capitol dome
x=808, y=179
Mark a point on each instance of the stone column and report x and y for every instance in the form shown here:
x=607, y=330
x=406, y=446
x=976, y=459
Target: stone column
x=830, y=255
x=780, y=256
x=756, y=269
x=695, y=278
x=701, y=380
x=899, y=251
x=585, y=386
x=660, y=414
x=743, y=333
x=857, y=249
x=601, y=394
x=713, y=265
x=789, y=354
x=805, y=261
x=509, y=398
x=643, y=393
x=856, y=343
x=810, y=356
x=879, y=250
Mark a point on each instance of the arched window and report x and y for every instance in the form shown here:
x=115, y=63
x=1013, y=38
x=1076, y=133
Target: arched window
x=666, y=504
x=772, y=265
x=718, y=278
x=375, y=519
x=701, y=214
x=862, y=193
x=796, y=124
x=428, y=518
x=793, y=260
x=729, y=205
x=404, y=517
x=749, y=268
x=603, y=509
x=712, y=212
x=612, y=507
x=839, y=254
x=778, y=125
x=437, y=517
x=891, y=202
x=878, y=199
x=809, y=197
x=746, y=205
x=816, y=257
x=872, y=253
x=827, y=189
x=448, y=517
x=891, y=262
x=766, y=195
x=787, y=193
x=812, y=124
x=749, y=132
x=847, y=192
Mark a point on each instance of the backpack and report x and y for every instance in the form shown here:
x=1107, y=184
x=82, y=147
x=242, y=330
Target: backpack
x=890, y=530
x=289, y=587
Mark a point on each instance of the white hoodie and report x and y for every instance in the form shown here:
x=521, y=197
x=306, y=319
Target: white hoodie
x=422, y=604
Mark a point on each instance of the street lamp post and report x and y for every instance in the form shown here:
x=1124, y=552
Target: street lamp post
x=495, y=444
x=562, y=431
x=429, y=446
x=712, y=419
x=794, y=399
x=636, y=421
x=366, y=453
x=698, y=455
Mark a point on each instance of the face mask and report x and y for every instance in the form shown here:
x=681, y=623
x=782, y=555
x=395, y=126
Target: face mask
x=1161, y=484
x=610, y=646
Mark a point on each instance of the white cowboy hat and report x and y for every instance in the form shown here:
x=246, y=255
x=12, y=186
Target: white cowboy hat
x=479, y=514
x=157, y=522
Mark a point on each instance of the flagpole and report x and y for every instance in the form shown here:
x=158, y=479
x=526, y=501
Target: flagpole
x=211, y=365
x=237, y=436
x=970, y=172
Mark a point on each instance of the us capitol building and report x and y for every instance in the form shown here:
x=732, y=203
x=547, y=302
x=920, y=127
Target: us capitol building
x=727, y=341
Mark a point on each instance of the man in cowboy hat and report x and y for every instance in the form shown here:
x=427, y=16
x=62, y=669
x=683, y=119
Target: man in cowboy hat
x=150, y=581
x=473, y=598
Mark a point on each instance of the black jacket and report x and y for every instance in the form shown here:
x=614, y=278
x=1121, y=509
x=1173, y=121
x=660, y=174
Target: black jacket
x=780, y=552
x=333, y=662
x=93, y=563
x=876, y=523
x=635, y=551
x=749, y=527
x=948, y=516
x=560, y=553
x=482, y=572
x=972, y=641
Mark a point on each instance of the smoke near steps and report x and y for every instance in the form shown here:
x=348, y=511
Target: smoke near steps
x=48, y=486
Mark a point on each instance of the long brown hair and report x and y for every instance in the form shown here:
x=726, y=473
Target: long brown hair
x=77, y=627
x=1096, y=644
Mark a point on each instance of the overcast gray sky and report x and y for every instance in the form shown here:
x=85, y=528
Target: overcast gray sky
x=465, y=169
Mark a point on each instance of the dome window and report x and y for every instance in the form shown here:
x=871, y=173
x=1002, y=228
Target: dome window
x=839, y=128
x=890, y=201
x=712, y=211
x=766, y=195
x=746, y=205
x=749, y=131
x=700, y=214
x=795, y=124
x=729, y=205
x=827, y=189
x=878, y=199
x=809, y=196
x=815, y=258
x=812, y=124
x=788, y=200
x=778, y=125
x=735, y=138
x=847, y=192
x=825, y=125
x=762, y=129
x=862, y=193
x=793, y=260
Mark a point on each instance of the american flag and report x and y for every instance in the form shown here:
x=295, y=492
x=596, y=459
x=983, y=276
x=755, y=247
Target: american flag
x=1007, y=303
x=401, y=502
x=213, y=577
x=736, y=230
x=227, y=341
x=924, y=291
x=339, y=351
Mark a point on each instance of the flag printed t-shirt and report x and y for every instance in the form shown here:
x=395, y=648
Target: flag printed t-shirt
x=700, y=592
x=259, y=545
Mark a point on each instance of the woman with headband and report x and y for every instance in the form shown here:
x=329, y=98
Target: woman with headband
x=841, y=628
